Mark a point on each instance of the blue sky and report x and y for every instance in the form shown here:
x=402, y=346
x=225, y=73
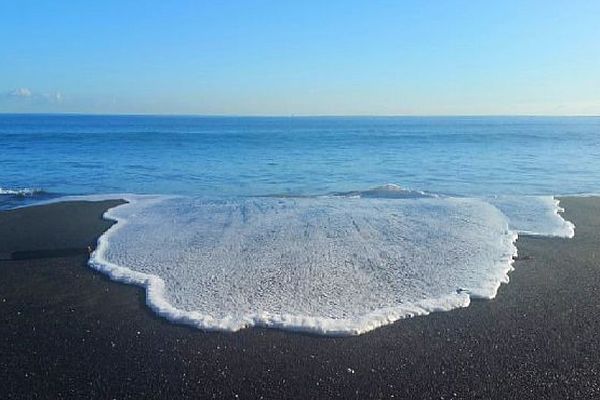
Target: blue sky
x=302, y=57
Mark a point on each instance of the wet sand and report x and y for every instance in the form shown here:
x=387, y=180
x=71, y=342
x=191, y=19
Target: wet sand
x=66, y=331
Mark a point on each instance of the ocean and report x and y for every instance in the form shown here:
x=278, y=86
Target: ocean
x=331, y=225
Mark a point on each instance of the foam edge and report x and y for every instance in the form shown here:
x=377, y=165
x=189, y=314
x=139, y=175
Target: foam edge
x=567, y=229
x=156, y=300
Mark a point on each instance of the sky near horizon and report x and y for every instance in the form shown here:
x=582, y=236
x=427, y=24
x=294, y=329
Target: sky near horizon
x=301, y=58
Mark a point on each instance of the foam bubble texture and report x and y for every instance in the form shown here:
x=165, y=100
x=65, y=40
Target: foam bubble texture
x=534, y=215
x=20, y=191
x=334, y=266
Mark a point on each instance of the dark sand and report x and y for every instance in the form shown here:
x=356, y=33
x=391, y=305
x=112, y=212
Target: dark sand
x=68, y=332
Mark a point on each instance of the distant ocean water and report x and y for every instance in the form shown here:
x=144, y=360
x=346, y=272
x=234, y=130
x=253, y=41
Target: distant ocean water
x=328, y=225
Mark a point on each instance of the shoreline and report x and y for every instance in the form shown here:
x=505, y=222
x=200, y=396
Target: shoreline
x=68, y=330
x=154, y=286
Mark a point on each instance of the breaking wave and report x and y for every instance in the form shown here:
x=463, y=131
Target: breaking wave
x=22, y=192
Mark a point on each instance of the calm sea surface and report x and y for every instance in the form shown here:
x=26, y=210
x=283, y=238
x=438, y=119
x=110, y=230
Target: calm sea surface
x=213, y=156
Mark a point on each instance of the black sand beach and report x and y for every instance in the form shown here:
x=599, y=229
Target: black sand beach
x=66, y=331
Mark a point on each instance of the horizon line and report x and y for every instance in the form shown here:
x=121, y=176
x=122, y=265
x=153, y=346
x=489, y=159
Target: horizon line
x=295, y=115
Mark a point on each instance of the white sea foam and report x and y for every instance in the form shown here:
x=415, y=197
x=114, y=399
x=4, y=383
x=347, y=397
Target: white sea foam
x=329, y=265
x=20, y=191
x=534, y=215
x=324, y=265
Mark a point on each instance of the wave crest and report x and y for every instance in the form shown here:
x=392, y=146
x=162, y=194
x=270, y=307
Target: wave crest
x=21, y=192
x=387, y=191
